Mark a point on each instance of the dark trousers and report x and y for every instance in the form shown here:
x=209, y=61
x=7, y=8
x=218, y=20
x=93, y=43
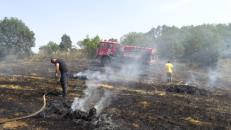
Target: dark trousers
x=63, y=81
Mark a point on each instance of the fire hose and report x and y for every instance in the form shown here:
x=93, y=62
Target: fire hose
x=27, y=116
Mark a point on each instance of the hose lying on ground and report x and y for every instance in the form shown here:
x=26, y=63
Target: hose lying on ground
x=27, y=116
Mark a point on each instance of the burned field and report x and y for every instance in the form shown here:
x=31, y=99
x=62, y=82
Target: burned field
x=133, y=105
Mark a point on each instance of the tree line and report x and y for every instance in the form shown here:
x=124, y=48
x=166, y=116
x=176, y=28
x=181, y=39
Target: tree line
x=53, y=48
x=88, y=46
x=17, y=39
x=203, y=44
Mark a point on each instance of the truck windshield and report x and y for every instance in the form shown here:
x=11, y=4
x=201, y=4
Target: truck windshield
x=106, y=45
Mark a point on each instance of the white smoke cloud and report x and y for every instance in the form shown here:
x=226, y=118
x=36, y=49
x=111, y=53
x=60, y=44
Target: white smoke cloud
x=104, y=102
x=83, y=104
x=98, y=96
x=212, y=77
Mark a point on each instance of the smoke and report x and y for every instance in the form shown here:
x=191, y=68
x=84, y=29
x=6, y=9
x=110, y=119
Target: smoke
x=191, y=80
x=213, y=77
x=91, y=95
x=12, y=65
x=219, y=76
x=96, y=96
x=104, y=102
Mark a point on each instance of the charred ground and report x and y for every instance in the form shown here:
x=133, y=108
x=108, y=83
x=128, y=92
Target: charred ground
x=136, y=104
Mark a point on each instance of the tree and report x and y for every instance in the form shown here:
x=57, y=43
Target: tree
x=134, y=38
x=50, y=48
x=66, y=43
x=203, y=46
x=169, y=42
x=53, y=46
x=90, y=45
x=15, y=37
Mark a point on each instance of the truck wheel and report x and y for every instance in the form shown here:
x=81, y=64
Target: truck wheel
x=105, y=60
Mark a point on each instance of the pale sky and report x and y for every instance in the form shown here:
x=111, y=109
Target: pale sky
x=50, y=19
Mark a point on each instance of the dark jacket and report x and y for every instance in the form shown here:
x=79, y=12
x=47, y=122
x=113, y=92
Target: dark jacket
x=62, y=66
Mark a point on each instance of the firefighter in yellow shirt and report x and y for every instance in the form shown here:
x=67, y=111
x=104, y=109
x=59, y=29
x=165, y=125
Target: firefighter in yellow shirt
x=169, y=71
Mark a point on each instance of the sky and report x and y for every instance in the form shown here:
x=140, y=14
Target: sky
x=50, y=19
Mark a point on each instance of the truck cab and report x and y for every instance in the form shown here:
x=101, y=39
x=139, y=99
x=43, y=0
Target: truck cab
x=107, y=50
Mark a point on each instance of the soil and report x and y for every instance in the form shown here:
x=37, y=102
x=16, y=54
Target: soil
x=135, y=105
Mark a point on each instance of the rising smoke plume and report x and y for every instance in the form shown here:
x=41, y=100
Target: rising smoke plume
x=100, y=97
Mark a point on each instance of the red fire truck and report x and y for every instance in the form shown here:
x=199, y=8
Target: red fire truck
x=110, y=51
